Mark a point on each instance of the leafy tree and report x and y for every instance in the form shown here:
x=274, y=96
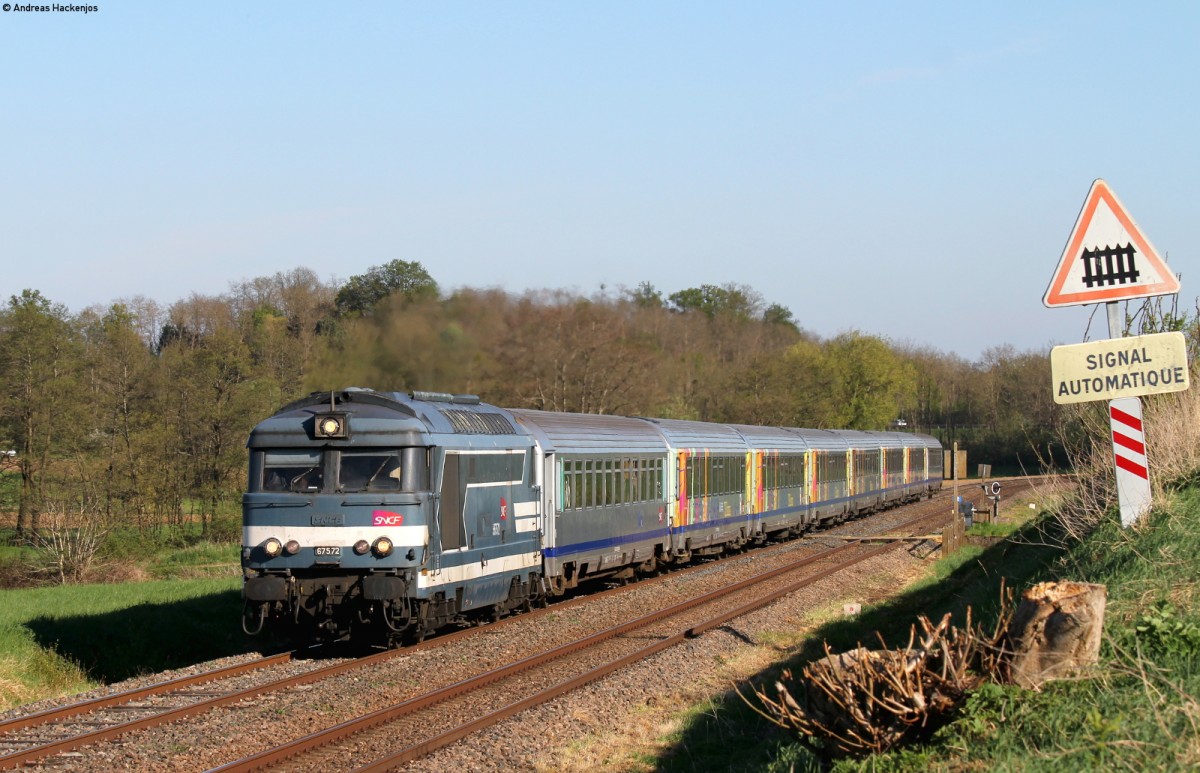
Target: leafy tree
x=775, y=314
x=363, y=293
x=296, y=301
x=735, y=300
x=210, y=394
x=646, y=296
x=870, y=381
x=575, y=354
x=425, y=344
x=810, y=386
x=38, y=364
x=1017, y=413
x=116, y=456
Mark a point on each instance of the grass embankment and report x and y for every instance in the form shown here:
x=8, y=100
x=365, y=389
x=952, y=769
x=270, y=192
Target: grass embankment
x=1139, y=711
x=61, y=639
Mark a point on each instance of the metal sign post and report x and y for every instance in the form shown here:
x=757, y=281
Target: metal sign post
x=1128, y=440
x=1129, y=456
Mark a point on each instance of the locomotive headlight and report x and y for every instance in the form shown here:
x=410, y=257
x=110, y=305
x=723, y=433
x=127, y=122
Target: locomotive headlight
x=292, y=547
x=382, y=547
x=331, y=425
x=362, y=546
x=272, y=547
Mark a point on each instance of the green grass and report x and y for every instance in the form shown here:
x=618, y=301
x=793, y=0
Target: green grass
x=57, y=640
x=203, y=559
x=10, y=489
x=1142, y=712
x=10, y=552
x=990, y=529
x=62, y=639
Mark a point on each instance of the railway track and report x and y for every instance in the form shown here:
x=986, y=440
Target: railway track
x=553, y=672
x=56, y=731
x=457, y=710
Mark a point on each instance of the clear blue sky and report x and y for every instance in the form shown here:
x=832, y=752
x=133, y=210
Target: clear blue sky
x=907, y=169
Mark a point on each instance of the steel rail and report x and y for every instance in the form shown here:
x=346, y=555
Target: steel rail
x=62, y=712
x=25, y=756
x=306, y=744
x=416, y=751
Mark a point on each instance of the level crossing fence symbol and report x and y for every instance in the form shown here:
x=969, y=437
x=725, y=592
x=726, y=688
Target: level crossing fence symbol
x=1109, y=266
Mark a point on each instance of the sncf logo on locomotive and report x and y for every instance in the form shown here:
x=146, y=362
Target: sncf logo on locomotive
x=386, y=518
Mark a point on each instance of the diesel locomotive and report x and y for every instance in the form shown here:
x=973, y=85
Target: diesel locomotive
x=382, y=516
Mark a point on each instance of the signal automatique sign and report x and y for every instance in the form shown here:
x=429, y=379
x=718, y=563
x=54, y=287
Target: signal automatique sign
x=1119, y=367
x=1109, y=259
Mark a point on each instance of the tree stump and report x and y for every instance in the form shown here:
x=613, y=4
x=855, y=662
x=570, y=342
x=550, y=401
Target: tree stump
x=1055, y=632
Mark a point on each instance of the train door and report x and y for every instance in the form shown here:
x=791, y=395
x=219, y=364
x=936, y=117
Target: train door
x=852, y=486
x=450, y=520
x=548, y=483
x=754, y=475
x=814, y=475
x=683, y=504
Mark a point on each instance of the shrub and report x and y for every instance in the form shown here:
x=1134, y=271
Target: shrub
x=1162, y=631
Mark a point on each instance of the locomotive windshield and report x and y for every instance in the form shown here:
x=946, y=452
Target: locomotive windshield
x=371, y=471
x=307, y=471
x=292, y=471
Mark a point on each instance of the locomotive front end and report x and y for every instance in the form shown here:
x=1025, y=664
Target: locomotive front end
x=336, y=517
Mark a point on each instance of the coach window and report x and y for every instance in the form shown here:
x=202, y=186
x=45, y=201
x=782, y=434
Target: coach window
x=577, y=487
x=587, y=488
x=566, y=484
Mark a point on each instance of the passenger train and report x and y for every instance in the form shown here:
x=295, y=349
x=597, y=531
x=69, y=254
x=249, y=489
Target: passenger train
x=382, y=516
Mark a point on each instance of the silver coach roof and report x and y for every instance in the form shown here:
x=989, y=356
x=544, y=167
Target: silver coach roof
x=576, y=433
x=862, y=440
x=771, y=438
x=892, y=439
x=823, y=439
x=716, y=438
x=928, y=441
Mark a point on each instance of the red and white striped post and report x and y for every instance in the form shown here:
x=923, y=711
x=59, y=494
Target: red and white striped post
x=1129, y=457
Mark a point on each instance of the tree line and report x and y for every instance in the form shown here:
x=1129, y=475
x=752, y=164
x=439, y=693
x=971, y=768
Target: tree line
x=137, y=413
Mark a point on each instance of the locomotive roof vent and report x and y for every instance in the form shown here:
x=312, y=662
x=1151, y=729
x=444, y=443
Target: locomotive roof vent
x=446, y=397
x=472, y=423
x=433, y=397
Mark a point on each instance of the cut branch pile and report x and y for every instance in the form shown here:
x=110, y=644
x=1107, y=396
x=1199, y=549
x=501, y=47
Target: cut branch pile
x=866, y=701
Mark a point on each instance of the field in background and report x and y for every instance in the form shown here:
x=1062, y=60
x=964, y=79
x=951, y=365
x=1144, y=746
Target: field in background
x=162, y=606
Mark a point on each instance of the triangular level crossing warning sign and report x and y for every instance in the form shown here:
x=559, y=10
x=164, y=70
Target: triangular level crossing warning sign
x=1107, y=258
